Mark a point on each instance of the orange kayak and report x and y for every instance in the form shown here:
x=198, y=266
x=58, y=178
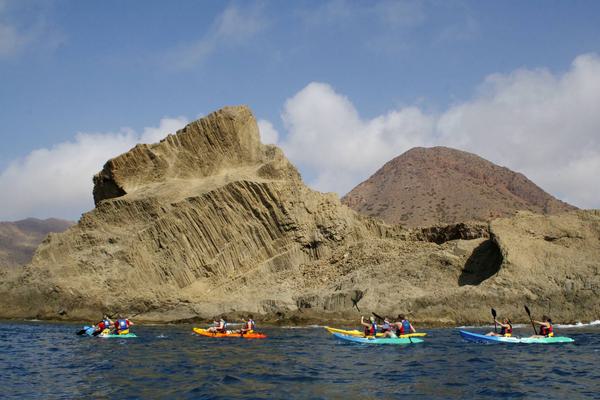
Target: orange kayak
x=249, y=335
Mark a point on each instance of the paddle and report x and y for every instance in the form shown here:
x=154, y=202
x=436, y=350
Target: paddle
x=531, y=319
x=495, y=324
x=379, y=317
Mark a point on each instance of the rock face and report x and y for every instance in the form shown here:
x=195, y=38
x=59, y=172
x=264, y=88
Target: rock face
x=19, y=239
x=439, y=185
x=209, y=221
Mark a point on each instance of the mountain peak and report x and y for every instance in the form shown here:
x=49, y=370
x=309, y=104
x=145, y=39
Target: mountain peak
x=441, y=185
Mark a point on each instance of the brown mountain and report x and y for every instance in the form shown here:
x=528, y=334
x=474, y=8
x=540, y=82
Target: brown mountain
x=440, y=185
x=19, y=239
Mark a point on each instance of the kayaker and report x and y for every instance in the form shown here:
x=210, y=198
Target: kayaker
x=105, y=324
x=506, y=328
x=403, y=326
x=220, y=326
x=546, y=328
x=387, y=329
x=122, y=325
x=370, y=327
x=249, y=325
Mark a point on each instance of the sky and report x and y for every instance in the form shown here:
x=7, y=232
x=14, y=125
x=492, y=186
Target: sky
x=342, y=86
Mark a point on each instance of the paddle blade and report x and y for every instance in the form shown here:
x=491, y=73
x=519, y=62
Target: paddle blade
x=378, y=316
x=527, y=311
x=494, y=313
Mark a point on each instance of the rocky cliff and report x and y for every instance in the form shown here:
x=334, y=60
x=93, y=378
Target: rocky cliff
x=209, y=221
x=439, y=185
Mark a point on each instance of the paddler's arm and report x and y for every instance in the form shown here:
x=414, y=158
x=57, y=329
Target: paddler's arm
x=363, y=323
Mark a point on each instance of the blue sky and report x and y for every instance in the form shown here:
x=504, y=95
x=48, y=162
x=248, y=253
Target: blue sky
x=119, y=69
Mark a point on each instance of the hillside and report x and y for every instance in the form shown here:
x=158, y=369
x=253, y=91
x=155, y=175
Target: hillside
x=439, y=185
x=211, y=222
x=19, y=239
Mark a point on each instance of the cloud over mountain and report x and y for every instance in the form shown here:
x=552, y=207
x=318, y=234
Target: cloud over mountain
x=533, y=121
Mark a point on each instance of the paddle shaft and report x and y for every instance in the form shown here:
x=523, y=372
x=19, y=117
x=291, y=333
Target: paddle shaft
x=531, y=319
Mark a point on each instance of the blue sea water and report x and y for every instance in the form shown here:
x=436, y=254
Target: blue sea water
x=41, y=360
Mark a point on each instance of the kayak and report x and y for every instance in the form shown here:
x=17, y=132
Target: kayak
x=356, y=332
x=89, y=331
x=371, y=340
x=114, y=335
x=477, y=337
x=253, y=335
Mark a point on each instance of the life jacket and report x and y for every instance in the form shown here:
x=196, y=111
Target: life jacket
x=547, y=331
x=371, y=331
x=506, y=331
x=405, y=328
x=224, y=328
x=122, y=324
x=106, y=323
x=251, y=324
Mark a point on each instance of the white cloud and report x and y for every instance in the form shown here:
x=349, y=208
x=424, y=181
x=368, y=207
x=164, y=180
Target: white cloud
x=233, y=27
x=57, y=181
x=328, y=139
x=268, y=134
x=544, y=125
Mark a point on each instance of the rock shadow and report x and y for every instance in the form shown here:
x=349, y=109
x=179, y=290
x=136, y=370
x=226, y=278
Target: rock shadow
x=483, y=263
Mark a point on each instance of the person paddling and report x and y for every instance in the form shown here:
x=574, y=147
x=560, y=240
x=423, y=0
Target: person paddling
x=104, y=326
x=249, y=325
x=220, y=326
x=403, y=326
x=506, y=328
x=122, y=325
x=546, y=328
x=370, y=327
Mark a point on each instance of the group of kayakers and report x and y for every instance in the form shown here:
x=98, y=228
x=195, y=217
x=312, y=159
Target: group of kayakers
x=220, y=326
x=106, y=326
x=401, y=326
x=506, y=328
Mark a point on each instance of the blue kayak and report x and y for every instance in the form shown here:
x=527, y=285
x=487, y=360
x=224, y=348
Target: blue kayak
x=89, y=331
x=479, y=338
x=371, y=340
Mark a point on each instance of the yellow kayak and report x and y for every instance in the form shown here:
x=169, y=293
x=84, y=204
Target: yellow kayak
x=356, y=332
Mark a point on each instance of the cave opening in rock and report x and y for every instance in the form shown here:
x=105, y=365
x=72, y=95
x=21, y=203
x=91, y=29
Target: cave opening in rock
x=483, y=263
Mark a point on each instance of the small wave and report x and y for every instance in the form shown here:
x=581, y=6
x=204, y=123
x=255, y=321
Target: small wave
x=579, y=325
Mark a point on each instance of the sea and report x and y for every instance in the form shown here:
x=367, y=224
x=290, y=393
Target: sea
x=43, y=360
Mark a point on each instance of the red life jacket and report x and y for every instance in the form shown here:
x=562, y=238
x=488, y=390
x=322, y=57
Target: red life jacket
x=545, y=331
x=505, y=331
x=371, y=331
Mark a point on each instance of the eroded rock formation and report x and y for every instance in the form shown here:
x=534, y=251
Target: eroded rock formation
x=209, y=221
